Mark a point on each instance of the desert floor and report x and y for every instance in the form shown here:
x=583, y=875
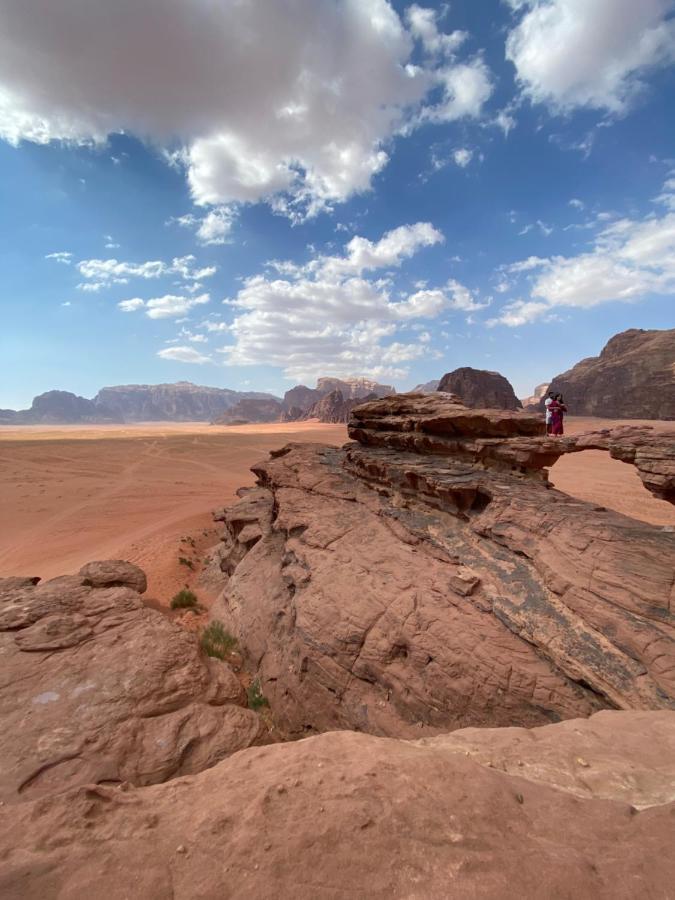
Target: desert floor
x=71, y=494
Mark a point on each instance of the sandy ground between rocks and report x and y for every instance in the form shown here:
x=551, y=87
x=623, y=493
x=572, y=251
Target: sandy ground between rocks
x=71, y=494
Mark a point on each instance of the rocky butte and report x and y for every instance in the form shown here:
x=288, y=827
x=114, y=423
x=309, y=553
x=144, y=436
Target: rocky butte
x=482, y=669
x=632, y=378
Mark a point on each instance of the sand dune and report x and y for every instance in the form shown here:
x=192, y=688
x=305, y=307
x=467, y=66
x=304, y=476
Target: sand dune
x=72, y=494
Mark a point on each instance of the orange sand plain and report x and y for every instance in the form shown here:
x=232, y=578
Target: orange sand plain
x=71, y=494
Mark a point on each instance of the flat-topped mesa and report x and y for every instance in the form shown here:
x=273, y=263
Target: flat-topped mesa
x=441, y=425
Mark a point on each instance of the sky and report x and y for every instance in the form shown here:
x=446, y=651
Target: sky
x=251, y=195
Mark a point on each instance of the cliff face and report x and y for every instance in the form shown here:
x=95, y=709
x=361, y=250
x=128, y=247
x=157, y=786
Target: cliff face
x=332, y=400
x=479, y=388
x=180, y=402
x=633, y=378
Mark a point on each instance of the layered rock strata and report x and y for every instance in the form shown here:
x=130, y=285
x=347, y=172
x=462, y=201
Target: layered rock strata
x=96, y=687
x=578, y=809
x=428, y=578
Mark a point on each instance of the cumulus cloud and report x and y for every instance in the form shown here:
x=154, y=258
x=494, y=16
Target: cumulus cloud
x=103, y=273
x=184, y=355
x=335, y=315
x=213, y=228
x=62, y=256
x=293, y=102
x=172, y=306
x=630, y=259
x=131, y=305
x=570, y=53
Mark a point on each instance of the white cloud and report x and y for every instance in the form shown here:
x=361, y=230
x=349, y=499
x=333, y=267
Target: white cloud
x=335, y=315
x=423, y=24
x=213, y=228
x=102, y=273
x=171, y=306
x=590, y=53
x=630, y=259
x=110, y=243
x=462, y=157
x=131, y=305
x=63, y=256
x=577, y=204
x=184, y=355
x=295, y=97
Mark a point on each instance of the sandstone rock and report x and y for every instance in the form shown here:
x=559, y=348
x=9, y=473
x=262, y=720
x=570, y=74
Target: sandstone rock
x=633, y=378
x=354, y=388
x=479, y=388
x=490, y=814
x=251, y=410
x=98, y=688
x=334, y=409
x=540, y=392
x=114, y=573
x=428, y=577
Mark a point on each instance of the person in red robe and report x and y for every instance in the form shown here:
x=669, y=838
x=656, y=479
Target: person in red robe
x=557, y=409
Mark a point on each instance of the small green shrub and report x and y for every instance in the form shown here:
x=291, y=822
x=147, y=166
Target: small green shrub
x=256, y=700
x=215, y=641
x=185, y=562
x=184, y=600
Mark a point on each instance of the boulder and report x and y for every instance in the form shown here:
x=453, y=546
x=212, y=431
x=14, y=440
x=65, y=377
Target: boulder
x=633, y=378
x=578, y=809
x=480, y=388
x=96, y=687
x=114, y=573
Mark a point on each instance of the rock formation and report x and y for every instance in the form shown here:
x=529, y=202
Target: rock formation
x=354, y=388
x=180, y=402
x=96, y=687
x=479, y=388
x=61, y=407
x=251, y=410
x=633, y=378
x=532, y=403
x=341, y=396
x=428, y=578
x=427, y=388
x=578, y=809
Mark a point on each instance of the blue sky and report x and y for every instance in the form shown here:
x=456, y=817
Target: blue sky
x=372, y=188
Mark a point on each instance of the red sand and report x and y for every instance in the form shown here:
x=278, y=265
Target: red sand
x=72, y=494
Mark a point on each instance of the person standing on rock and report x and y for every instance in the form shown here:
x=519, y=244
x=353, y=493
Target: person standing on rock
x=547, y=404
x=557, y=409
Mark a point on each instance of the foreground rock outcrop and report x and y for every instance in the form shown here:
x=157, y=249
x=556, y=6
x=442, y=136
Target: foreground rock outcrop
x=96, y=687
x=478, y=388
x=633, y=378
x=427, y=578
x=581, y=809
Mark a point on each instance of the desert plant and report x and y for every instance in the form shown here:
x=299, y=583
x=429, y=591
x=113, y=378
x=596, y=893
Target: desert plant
x=184, y=599
x=185, y=562
x=215, y=641
x=256, y=699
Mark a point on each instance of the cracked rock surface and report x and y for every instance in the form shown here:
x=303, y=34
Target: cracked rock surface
x=427, y=578
x=95, y=687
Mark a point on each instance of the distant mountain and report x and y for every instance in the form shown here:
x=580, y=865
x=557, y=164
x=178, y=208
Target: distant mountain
x=479, y=388
x=302, y=402
x=428, y=388
x=633, y=378
x=335, y=408
x=537, y=395
x=354, y=388
x=180, y=402
x=251, y=410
